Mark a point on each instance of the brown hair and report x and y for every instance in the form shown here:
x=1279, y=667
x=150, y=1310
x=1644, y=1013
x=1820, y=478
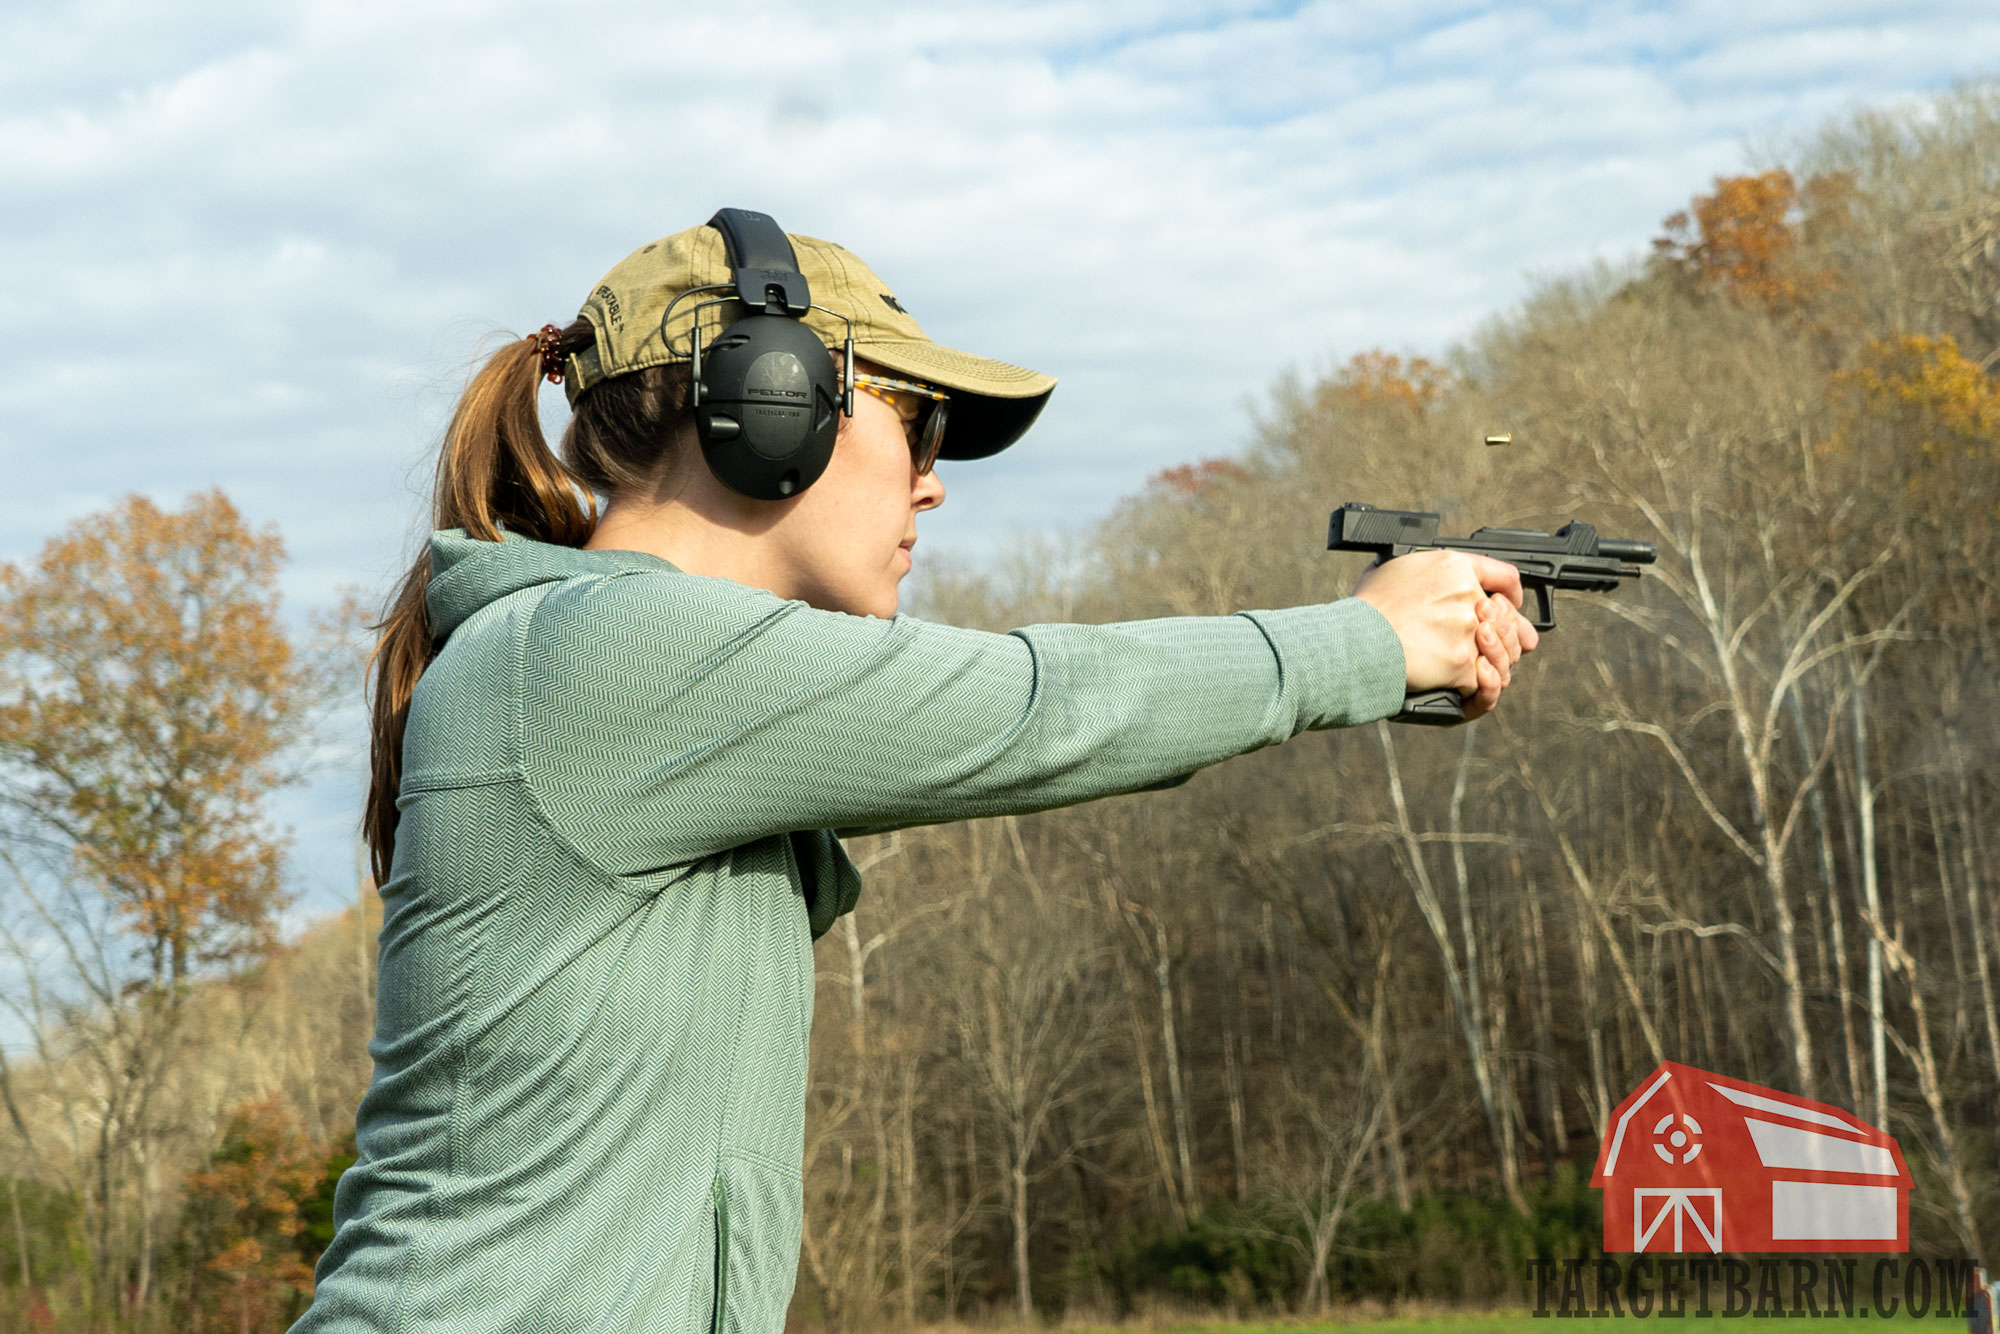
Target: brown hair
x=495, y=470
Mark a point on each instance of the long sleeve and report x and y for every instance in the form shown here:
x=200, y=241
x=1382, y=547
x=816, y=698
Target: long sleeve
x=668, y=716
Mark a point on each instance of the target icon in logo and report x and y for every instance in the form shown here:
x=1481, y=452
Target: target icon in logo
x=1681, y=1143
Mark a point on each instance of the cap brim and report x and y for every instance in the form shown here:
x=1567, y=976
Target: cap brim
x=992, y=403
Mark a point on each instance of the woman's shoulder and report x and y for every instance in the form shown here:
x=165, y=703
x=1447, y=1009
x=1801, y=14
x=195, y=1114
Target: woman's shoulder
x=619, y=587
x=631, y=625
x=470, y=576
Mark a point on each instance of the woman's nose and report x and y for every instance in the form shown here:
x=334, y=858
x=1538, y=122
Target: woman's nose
x=929, y=490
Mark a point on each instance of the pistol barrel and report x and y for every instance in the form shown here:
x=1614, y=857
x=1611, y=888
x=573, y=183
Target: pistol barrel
x=1618, y=548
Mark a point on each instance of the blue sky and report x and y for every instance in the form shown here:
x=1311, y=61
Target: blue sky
x=258, y=245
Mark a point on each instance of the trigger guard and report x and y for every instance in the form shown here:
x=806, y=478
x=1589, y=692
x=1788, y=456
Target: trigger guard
x=1544, y=616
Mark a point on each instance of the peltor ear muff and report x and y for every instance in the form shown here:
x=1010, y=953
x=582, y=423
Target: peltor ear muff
x=766, y=398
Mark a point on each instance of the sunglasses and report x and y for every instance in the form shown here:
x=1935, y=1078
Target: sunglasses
x=922, y=409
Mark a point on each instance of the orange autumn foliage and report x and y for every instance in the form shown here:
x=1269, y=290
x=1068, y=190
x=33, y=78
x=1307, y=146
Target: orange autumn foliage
x=245, y=1214
x=146, y=690
x=1744, y=238
x=1200, y=478
x=1378, y=377
x=1937, y=399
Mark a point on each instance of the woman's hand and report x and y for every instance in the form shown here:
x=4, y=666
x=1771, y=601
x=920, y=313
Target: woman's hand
x=1458, y=615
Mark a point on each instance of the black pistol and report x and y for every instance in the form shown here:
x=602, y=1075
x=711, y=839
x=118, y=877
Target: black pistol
x=1573, y=556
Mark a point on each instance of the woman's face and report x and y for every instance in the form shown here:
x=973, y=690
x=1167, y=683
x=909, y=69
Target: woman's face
x=847, y=538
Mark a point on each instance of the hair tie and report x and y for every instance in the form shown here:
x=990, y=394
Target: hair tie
x=549, y=343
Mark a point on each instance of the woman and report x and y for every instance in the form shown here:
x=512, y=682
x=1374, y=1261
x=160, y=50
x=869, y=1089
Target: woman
x=612, y=755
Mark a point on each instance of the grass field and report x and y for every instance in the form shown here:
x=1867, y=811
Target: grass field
x=1521, y=1322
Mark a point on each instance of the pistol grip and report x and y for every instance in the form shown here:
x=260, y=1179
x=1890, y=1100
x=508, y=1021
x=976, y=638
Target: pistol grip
x=1432, y=708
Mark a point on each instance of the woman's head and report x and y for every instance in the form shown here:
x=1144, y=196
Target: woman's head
x=630, y=454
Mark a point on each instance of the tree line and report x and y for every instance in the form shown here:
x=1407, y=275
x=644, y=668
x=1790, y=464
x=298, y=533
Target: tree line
x=1340, y=1020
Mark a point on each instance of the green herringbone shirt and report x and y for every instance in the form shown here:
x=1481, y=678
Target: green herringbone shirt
x=596, y=958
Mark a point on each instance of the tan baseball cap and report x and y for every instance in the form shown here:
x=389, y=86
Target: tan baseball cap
x=992, y=402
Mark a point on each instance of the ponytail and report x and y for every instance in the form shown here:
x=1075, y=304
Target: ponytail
x=494, y=471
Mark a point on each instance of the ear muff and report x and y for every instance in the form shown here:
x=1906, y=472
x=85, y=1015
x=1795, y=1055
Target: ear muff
x=768, y=408
x=765, y=395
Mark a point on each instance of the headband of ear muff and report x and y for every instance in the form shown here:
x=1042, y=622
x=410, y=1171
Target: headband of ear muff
x=766, y=397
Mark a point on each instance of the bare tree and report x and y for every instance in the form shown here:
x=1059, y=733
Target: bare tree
x=1030, y=1023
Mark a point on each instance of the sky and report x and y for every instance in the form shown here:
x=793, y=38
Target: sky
x=260, y=245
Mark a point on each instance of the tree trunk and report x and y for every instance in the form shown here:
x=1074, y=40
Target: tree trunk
x=1233, y=1087
x=1142, y=1057
x=1871, y=901
x=1789, y=972
x=906, y=1189
x=142, y=1288
x=952, y=1282
x=1593, y=1009
x=1978, y=915
x=106, y=1263
x=1385, y=1083
x=1163, y=981
x=1924, y=1060
x=1830, y=894
x=1270, y=942
x=1024, y=1301
x=20, y=1232
x=1555, y=1135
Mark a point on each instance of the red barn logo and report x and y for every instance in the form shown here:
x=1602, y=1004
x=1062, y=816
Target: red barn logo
x=1702, y=1162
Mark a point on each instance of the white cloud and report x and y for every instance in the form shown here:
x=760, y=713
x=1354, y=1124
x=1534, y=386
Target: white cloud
x=255, y=245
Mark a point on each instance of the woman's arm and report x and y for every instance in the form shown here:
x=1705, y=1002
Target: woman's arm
x=667, y=716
